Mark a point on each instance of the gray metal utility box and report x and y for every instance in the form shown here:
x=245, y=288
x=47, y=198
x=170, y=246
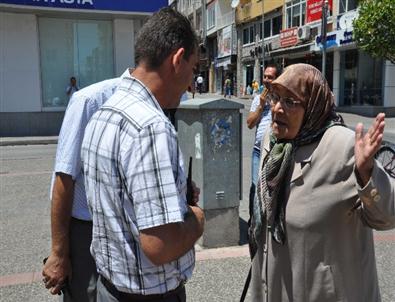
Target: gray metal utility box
x=209, y=130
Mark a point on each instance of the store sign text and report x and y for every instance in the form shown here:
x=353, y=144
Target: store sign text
x=68, y=1
x=289, y=37
x=335, y=39
x=314, y=10
x=108, y=5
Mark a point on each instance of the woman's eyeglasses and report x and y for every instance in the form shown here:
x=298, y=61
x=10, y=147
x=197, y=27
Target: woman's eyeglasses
x=286, y=102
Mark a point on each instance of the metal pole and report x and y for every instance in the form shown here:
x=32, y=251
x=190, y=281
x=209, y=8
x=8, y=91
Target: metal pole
x=263, y=37
x=323, y=35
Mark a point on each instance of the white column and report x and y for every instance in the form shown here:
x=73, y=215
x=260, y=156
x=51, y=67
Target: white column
x=20, y=80
x=336, y=76
x=257, y=64
x=124, y=40
x=240, y=78
x=389, y=84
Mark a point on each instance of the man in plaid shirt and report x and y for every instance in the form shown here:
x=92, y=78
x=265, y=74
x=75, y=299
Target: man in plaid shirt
x=143, y=229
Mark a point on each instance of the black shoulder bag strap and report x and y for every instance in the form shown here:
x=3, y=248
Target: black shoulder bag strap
x=253, y=250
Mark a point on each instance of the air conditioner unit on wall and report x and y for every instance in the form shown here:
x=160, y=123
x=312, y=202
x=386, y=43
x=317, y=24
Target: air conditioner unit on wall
x=304, y=33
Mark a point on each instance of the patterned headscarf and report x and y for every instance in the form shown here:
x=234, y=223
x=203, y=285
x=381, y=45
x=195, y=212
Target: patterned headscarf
x=310, y=87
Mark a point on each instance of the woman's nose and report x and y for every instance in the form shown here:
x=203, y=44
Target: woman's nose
x=278, y=107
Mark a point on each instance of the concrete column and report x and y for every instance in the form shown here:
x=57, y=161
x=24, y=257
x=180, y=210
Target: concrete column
x=124, y=40
x=239, y=66
x=257, y=64
x=389, y=84
x=336, y=76
x=19, y=61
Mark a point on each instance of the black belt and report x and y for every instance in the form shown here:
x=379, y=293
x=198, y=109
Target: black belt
x=80, y=221
x=136, y=297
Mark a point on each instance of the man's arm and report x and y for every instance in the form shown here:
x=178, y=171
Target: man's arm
x=169, y=242
x=58, y=266
x=254, y=117
x=68, y=90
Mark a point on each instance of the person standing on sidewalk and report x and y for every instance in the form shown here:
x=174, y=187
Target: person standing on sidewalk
x=70, y=265
x=72, y=87
x=143, y=229
x=199, y=83
x=228, y=87
x=260, y=117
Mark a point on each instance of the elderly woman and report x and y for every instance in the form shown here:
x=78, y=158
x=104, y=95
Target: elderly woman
x=320, y=194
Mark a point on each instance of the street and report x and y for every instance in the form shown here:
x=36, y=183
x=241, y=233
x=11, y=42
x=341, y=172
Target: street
x=25, y=174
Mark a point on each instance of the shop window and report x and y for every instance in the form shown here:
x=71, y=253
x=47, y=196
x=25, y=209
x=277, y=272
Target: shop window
x=79, y=48
x=272, y=26
x=248, y=35
x=347, y=5
x=252, y=34
x=295, y=13
x=211, y=16
x=361, y=79
x=277, y=25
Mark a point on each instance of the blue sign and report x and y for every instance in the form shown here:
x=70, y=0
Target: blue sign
x=138, y=6
x=347, y=38
x=330, y=41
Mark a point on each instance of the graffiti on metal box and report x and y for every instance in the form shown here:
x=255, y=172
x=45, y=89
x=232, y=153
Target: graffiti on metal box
x=221, y=132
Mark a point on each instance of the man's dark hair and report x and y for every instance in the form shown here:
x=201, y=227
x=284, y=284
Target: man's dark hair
x=272, y=65
x=165, y=31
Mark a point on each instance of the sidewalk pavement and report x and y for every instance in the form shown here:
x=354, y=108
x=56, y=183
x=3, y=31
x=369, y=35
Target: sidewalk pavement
x=219, y=273
x=350, y=119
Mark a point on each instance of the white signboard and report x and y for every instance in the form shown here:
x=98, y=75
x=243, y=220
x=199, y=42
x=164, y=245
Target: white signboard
x=225, y=42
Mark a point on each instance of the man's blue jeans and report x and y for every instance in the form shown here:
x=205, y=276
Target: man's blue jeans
x=255, y=158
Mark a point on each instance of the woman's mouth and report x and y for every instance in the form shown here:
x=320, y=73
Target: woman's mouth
x=280, y=123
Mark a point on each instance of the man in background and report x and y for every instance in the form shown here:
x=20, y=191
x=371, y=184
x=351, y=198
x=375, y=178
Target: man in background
x=70, y=266
x=260, y=117
x=72, y=87
x=199, y=82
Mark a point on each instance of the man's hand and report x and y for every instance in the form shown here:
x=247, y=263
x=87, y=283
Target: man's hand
x=366, y=146
x=58, y=265
x=55, y=272
x=196, y=194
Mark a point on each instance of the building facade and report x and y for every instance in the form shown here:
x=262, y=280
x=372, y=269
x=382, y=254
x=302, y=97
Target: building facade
x=361, y=84
x=45, y=43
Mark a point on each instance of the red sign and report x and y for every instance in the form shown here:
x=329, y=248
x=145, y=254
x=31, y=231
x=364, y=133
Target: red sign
x=289, y=37
x=314, y=10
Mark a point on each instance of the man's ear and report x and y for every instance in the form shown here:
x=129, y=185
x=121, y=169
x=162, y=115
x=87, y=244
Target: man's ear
x=177, y=59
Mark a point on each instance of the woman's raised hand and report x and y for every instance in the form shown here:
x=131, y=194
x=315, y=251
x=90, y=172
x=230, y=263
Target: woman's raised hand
x=366, y=146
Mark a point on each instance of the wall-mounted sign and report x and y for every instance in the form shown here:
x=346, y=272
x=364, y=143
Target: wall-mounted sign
x=225, y=42
x=345, y=21
x=111, y=5
x=314, y=10
x=335, y=38
x=289, y=37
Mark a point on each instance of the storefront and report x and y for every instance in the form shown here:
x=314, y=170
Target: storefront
x=225, y=62
x=45, y=43
x=361, y=84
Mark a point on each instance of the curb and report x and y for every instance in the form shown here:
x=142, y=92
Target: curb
x=13, y=141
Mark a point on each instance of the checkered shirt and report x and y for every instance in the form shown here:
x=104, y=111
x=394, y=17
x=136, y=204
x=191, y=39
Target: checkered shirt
x=134, y=179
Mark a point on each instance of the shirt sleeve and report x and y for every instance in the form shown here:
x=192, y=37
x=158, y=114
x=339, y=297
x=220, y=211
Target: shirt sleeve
x=68, y=157
x=154, y=176
x=255, y=103
x=378, y=200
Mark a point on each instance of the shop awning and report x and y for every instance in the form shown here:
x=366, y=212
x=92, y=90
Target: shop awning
x=225, y=61
x=291, y=50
